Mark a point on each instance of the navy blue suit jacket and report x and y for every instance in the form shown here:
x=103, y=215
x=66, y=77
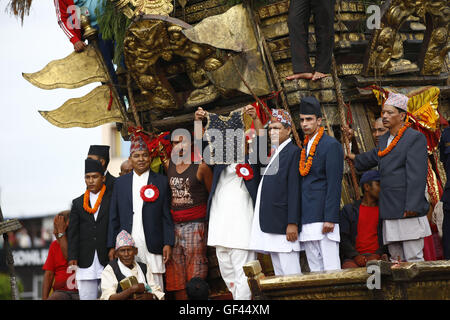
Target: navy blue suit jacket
x=444, y=151
x=403, y=173
x=156, y=217
x=280, y=193
x=321, y=188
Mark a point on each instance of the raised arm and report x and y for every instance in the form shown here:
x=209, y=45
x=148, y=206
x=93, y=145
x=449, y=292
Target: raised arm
x=67, y=20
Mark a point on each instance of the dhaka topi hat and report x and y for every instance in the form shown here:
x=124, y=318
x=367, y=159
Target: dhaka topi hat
x=397, y=100
x=124, y=239
x=137, y=144
x=280, y=115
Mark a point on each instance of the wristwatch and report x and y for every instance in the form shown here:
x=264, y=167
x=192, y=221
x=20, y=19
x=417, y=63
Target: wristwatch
x=60, y=235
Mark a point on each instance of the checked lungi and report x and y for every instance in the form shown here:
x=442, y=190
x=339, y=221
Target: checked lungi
x=188, y=255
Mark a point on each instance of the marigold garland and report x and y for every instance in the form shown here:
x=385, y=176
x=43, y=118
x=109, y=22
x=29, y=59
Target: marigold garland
x=304, y=168
x=394, y=142
x=97, y=203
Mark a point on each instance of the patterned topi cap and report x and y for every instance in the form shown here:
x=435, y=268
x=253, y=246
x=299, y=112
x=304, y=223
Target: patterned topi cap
x=124, y=239
x=280, y=115
x=397, y=100
x=137, y=144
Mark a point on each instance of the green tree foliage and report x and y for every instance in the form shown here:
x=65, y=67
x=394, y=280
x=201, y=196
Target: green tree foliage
x=113, y=25
x=5, y=287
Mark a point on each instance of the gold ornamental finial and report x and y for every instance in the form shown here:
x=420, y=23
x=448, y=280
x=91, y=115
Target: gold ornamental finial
x=89, y=32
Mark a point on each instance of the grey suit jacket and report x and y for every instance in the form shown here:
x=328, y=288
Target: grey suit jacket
x=403, y=174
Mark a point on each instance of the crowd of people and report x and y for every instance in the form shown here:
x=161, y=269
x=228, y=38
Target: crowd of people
x=155, y=227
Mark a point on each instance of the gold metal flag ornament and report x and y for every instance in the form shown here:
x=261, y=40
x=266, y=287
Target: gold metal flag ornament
x=88, y=111
x=73, y=71
x=98, y=107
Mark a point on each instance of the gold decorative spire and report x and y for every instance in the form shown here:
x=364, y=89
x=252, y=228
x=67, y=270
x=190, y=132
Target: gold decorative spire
x=133, y=8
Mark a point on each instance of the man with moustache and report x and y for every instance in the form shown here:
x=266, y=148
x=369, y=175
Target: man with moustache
x=277, y=219
x=401, y=157
x=87, y=231
x=140, y=205
x=125, y=266
x=321, y=166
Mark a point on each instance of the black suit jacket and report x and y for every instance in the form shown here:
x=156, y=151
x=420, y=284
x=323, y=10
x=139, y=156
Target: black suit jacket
x=109, y=182
x=86, y=235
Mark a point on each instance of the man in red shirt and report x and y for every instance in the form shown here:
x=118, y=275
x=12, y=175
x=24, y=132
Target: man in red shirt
x=67, y=20
x=360, y=227
x=56, y=268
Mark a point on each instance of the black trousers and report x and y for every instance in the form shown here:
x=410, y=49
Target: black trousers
x=298, y=22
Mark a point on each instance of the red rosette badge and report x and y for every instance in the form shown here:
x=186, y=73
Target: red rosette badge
x=244, y=171
x=149, y=193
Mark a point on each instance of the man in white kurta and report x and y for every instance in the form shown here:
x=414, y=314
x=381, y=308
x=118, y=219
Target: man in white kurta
x=153, y=261
x=283, y=247
x=109, y=281
x=230, y=218
x=321, y=190
x=285, y=255
x=229, y=227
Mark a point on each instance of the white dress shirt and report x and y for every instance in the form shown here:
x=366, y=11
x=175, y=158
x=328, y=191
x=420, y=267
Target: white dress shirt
x=231, y=212
x=154, y=261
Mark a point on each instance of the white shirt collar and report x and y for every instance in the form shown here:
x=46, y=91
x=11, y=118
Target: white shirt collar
x=143, y=176
x=281, y=146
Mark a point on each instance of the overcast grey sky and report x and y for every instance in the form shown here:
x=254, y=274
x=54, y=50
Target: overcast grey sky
x=41, y=166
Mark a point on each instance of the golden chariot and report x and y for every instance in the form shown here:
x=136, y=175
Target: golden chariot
x=223, y=54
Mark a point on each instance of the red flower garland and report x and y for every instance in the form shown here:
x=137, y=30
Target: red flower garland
x=153, y=197
x=244, y=171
